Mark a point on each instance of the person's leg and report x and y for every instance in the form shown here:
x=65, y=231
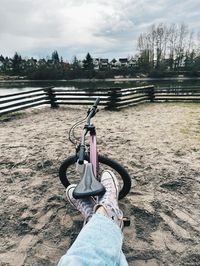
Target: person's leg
x=100, y=240
x=99, y=243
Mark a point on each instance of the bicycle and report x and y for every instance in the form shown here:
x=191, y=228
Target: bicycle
x=89, y=164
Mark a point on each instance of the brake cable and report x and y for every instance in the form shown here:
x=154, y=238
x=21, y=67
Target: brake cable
x=71, y=131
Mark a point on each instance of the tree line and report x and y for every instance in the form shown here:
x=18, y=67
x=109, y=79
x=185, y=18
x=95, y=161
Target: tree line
x=169, y=47
x=164, y=50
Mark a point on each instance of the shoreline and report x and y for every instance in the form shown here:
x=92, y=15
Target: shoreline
x=96, y=80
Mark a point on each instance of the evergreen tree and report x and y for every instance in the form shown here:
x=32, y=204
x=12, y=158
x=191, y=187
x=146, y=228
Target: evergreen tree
x=55, y=57
x=75, y=63
x=88, y=62
x=1, y=58
x=16, y=62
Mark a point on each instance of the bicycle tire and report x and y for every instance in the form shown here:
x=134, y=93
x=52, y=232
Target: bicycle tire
x=126, y=179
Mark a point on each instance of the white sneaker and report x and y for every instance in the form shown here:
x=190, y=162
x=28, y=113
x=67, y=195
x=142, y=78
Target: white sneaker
x=85, y=206
x=110, y=199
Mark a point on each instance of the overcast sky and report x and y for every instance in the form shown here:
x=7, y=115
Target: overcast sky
x=105, y=28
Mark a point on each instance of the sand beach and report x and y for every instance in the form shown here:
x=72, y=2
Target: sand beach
x=159, y=145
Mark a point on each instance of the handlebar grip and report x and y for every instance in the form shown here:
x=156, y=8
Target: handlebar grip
x=92, y=110
x=96, y=102
x=81, y=154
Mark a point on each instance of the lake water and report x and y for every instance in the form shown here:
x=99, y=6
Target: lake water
x=20, y=86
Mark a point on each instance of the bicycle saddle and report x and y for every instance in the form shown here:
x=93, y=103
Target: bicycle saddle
x=88, y=186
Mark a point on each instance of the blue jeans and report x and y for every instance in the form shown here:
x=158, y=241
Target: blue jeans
x=98, y=243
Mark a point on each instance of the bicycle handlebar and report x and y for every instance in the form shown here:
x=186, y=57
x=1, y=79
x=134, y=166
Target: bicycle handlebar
x=92, y=111
x=96, y=102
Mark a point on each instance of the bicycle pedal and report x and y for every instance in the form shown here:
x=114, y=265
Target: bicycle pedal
x=126, y=221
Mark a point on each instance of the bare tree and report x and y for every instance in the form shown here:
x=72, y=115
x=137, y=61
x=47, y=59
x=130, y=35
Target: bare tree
x=181, y=45
x=172, y=43
x=169, y=45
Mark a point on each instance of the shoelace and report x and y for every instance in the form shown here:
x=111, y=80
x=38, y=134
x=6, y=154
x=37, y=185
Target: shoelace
x=108, y=189
x=84, y=205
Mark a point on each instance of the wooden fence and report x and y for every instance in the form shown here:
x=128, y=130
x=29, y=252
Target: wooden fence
x=55, y=97
x=177, y=94
x=112, y=98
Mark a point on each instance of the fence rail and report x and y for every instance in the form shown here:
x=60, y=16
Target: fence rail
x=23, y=100
x=111, y=98
x=184, y=94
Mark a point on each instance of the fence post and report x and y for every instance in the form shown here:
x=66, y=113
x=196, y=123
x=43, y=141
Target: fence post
x=151, y=94
x=52, y=97
x=114, y=95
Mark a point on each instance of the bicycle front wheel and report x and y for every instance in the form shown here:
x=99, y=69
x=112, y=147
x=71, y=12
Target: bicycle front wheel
x=68, y=174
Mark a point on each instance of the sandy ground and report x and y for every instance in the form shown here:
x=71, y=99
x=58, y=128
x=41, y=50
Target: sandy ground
x=159, y=144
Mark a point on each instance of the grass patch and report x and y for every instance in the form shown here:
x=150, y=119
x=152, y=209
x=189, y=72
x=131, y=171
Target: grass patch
x=198, y=130
x=184, y=104
x=184, y=131
x=11, y=116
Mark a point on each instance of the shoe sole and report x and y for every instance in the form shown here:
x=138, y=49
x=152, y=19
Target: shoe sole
x=70, y=187
x=115, y=181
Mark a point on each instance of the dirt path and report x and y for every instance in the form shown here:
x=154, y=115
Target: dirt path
x=160, y=146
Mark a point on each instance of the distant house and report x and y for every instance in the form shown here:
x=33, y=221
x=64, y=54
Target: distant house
x=96, y=63
x=114, y=64
x=80, y=63
x=101, y=63
x=41, y=62
x=104, y=63
x=8, y=64
x=132, y=62
x=22, y=64
x=50, y=62
x=123, y=62
x=31, y=62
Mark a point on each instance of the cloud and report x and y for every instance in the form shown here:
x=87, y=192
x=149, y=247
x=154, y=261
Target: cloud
x=107, y=28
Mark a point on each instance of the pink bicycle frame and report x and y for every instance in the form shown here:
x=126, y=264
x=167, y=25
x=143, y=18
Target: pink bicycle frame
x=93, y=154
